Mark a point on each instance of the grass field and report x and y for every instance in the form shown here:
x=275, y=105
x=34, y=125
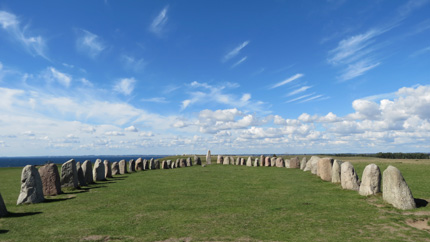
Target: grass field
x=217, y=203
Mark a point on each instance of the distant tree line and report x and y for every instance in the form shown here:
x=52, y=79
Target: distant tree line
x=389, y=155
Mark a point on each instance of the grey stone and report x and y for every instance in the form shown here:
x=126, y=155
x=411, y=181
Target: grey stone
x=145, y=164
x=295, y=163
x=220, y=159
x=87, y=169
x=279, y=162
x=208, y=158
x=267, y=161
x=273, y=161
x=31, y=186
x=348, y=177
x=139, y=164
x=99, y=171
x=226, y=160
x=152, y=164
x=249, y=161
x=81, y=177
x=108, y=169
x=303, y=163
x=122, y=167
x=287, y=163
x=335, y=172
x=237, y=161
x=156, y=164
x=132, y=165
x=115, y=168
x=50, y=179
x=312, y=164
x=395, y=190
x=197, y=161
x=256, y=162
x=189, y=162
x=177, y=165
x=242, y=161
x=182, y=163
x=231, y=160
x=262, y=159
x=69, y=174
x=3, y=210
x=370, y=180
x=325, y=166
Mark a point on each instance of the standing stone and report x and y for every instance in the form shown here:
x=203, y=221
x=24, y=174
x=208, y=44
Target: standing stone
x=287, y=163
x=335, y=172
x=31, y=186
x=145, y=164
x=81, y=176
x=115, y=168
x=151, y=164
x=242, y=161
x=177, y=163
x=122, y=167
x=273, y=161
x=189, y=162
x=220, y=159
x=370, y=181
x=87, y=169
x=99, y=171
x=173, y=165
x=249, y=161
x=163, y=165
x=267, y=161
x=225, y=160
x=208, y=158
x=279, y=162
x=348, y=177
x=139, y=164
x=108, y=169
x=262, y=158
x=182, y=163
x=312, y=165
x=395, y=190
x=295, y=163
x=156, y=164
x=3, y=210
x=50, y=179
x=69, y=174
x=256, y=163
x=303, y=163
x=197, y=161
x=325, y=166
x=132, y=165
x=237, y=161
x=168, y=164
x=231, y=160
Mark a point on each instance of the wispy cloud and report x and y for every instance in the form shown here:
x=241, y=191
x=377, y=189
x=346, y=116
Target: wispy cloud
x=62, y=78
x=421, y=52
x=125, y=86
x=89, y=43
x=132, y=63
x=155, y=100
x=311, y=98
x=158, y=24
x=235, y=51
x=299, y=90
x=295, y=77
x=35, y=45
x=299, y=98
x=239, y=62
x=357, y=69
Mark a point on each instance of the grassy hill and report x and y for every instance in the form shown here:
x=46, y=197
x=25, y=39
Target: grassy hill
x=217, y=203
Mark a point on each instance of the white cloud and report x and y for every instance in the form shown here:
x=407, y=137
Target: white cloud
x=221, y=114
x=288, y=80
x=89, y=44
x=85, y=82
x=62, y=78
x=131, y=129
x=132, y=63
x=357, y=69
x=114, y=133
x=235, y=52
x=239, y=62
x=155, y=100
x=35, y=45
x=425, y=50
x=299, y=90
x=158, y=24
x=125, y=86
x=299, y=98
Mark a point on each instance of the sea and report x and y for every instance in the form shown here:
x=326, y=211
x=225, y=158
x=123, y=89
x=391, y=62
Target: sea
x=41, y=160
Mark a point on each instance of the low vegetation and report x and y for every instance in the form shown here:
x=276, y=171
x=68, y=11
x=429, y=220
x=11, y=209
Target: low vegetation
x=217, y=203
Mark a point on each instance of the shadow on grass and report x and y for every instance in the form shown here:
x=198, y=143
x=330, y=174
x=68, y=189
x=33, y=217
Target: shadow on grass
x=2, y=231
x=18, y=215
x=50, y=200
x=421, y=202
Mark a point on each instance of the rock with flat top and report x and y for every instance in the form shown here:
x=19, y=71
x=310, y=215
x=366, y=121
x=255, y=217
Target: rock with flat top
x=370, y=180
x=395, y=190
x=295, y=163
x=31, y=186
x=280, y=162
x=50, y=179
x=348, y=177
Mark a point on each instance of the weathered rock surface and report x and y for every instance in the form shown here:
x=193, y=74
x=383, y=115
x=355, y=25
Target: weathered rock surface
x=189, y=162
x=99, y=171
x=132, y=165
x=168, y=164
x=197, y=161
x=348, y=177
x=182, y=163
x=139, y=164
x=262, y=159
x=3, y=210
x=237, y=161
x=145, y=164
x=177, y=165
x=81, y=177
x=242, y=161
x=208, y=158
x=287, y=163
x=31, y=186
x=313, y=160
x=87, y=169
x=226, y=160
x=256, y=162
x=156, y=164
x=280, y=162
x=108, y=169
x=69, y=174
x=370, y=180
x=122, y=167
x=249, y=161
x=220, y=159
x=164, y=165
x=267, y=161
x=231, y=160
x=295, y=163
x=50, y=179
x=325, y=166
x=335, y=172
x=303, y=163
x=273, y=161
x=115, y=168
x=152, y=164
x=395, y=190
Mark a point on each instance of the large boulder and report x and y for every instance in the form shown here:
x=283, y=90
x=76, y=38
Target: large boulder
x=335, y=171
x=348, y=177
x=108, y=169
x=164, y=165
x=249, y=161
x=115, y=168
x=208, y=158
x=81, y=177
x=122, y=167
x=132, y=165
x=237, y=161
x=99, y=171
x=168, y=164
x=303, y=163
x=395, y=190
x=50, y=179
x=145, y=164
x=139, y=164
x=69, y=174
x=31, y=186
x=156, y=164
x=189, y=162
x=273, y=161
x=182, y=163
x=226, y=160
x=325, y=168
x=231, y=160
x=295, y=163
x=262, y=159
x=3, y=210
x=87, y=169
x=287, y=163
x=312, y=164
x=256, y=162
x=242, y=161
x=279, y=162
x=177, y=163
x=370, y=181
x=267, y=161
x=220, y=159
x=152, y=164
x=197, y=161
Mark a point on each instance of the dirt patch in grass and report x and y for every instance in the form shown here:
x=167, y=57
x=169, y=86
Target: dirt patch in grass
x=421, y=224
x=186, y=239
x=96, y=238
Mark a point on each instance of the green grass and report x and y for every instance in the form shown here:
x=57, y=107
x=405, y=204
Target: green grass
x=215, y=203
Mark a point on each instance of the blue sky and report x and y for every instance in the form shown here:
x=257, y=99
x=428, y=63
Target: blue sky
x=173, y=77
